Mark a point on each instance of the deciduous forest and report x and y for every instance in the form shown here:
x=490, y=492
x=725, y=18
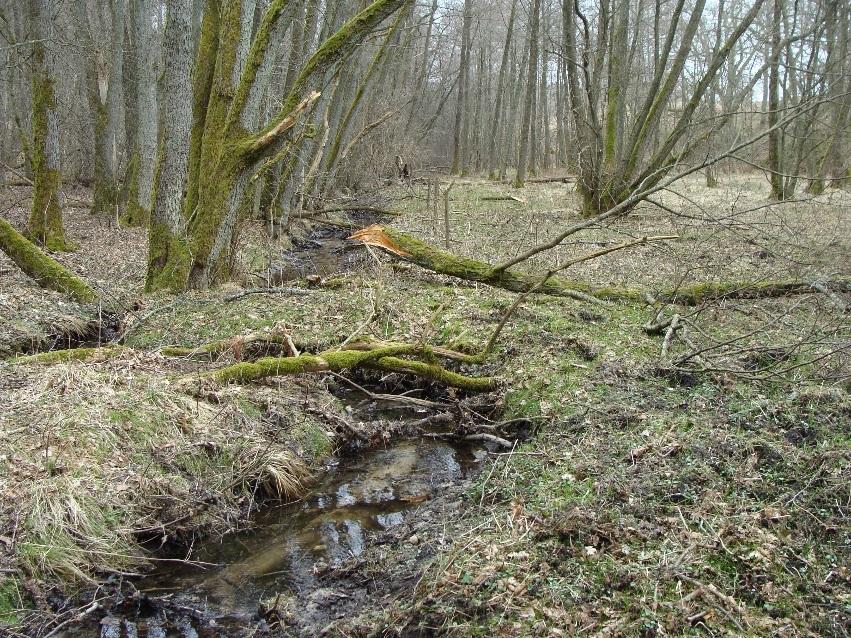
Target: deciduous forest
x=425, y=318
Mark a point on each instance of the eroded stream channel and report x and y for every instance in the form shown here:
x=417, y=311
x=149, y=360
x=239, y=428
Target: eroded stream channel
x=363, y=535
x=302, y=560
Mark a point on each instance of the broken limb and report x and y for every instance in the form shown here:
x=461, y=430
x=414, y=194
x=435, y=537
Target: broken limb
x=386, y=358
x=437, y=260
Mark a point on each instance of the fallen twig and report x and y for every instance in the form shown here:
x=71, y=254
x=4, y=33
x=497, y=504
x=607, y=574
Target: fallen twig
x=502, y=198
x=293, y=292
x=88, y=611
x=669, y=335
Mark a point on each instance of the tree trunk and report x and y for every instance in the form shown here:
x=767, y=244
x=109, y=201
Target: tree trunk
x=140, y=189
x=775, y=137
x=226, y=149
x=45, y=223
x=500, y=91
x=168, y=251
x=106, y=195
x=47, y=272
x=459, y=131
x=526, y=121
x=96, y=108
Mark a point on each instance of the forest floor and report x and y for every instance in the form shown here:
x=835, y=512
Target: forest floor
x=696, y=488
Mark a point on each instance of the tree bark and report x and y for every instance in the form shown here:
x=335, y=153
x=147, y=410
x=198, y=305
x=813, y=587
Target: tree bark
x=168, y=250
x=45, y=222
x=140, y=190
x=47, y=272
x=459, y=131
x=106, y=190
x=500, y=91
x=526, y=121
x=775, y=137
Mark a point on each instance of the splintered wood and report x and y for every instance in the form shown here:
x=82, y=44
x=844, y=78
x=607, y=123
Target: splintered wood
x=374, y=235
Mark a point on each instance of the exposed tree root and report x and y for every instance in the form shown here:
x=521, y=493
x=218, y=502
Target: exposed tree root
x=443, y=262
x=46, y=271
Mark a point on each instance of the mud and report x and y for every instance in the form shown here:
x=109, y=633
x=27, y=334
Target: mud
x=358, y=540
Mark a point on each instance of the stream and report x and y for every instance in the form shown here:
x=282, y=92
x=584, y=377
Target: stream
x=362, y=535
x=297, y=550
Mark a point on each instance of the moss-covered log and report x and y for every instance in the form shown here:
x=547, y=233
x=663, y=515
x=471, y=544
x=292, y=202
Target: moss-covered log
x=443, y=262
x=46, y=271
x=385, y=358
x=72, y=354
x=446, y=263
x=698, y=293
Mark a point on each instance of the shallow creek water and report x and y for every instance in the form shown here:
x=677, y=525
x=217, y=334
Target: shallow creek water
x=291, y=549
x=291, y=545
x=318, y=555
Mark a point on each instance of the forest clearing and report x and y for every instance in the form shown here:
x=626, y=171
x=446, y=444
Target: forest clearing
x=439, y=320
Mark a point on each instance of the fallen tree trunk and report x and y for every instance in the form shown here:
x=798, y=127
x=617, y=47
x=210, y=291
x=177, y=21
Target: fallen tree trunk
x=384, y=358
x=565, y=179
x=46, y=271
x=443, y=262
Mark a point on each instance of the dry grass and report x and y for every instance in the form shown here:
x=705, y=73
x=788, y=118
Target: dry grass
x=99, y=455
x=695, y=498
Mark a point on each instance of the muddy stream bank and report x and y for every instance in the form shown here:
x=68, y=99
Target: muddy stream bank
x=362, y=535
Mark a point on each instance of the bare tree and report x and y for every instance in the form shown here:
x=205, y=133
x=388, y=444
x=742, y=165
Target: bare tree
x=226, y=146
x=613, y=166
x=45, y=224
x=527, y=118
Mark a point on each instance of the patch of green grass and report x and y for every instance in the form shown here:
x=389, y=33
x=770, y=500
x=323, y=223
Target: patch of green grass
x=11, y=601
x=311, y=440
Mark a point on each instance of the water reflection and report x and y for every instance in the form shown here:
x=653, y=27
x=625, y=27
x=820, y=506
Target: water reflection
x=291, y=544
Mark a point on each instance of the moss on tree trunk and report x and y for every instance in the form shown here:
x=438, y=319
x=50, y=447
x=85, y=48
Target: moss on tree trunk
x=45, y=222
x=47, y=272
x=134, y=214
x=441, y=261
